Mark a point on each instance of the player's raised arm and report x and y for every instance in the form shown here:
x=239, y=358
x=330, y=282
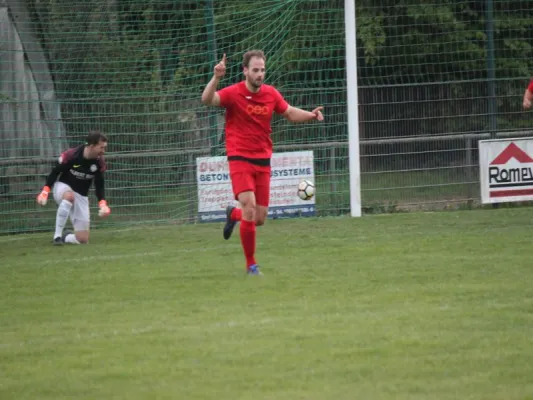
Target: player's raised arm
x=209, y=95
x=528, y=96
x=296, y=115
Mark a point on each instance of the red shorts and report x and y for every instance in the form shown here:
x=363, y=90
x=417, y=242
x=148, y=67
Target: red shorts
x=247, y=177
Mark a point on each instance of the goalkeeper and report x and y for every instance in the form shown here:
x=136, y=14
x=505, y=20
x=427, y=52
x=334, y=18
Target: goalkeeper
x=77, y=168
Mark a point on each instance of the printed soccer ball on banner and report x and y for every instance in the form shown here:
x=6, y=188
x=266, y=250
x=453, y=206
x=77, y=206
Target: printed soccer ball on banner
x=306, y=190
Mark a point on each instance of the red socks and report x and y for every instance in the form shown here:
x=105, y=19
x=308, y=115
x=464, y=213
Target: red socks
x=248, y=240
x=236, y=214
x=247, y=236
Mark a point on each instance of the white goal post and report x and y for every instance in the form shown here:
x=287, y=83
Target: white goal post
x=352, y=108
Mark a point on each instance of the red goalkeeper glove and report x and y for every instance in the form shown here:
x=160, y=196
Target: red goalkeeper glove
x=42, y=198
x=104, y=209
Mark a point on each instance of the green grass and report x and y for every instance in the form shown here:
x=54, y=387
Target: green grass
x=402, y=306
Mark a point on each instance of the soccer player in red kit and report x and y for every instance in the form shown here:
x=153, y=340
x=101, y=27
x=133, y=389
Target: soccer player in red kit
x=528, y=96
x=249, y=106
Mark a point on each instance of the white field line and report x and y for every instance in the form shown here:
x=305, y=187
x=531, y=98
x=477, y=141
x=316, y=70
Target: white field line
x=23, y=237
x=32, y=236
x=104, y=257
x=84, y=337
x=109, y=257
x=16, y=238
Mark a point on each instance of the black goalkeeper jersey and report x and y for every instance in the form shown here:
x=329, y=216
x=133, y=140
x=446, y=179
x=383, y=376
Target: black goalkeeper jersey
x=78, y=172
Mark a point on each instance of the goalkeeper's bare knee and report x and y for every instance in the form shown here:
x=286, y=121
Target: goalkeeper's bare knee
x=69, y=196
x=82, y=237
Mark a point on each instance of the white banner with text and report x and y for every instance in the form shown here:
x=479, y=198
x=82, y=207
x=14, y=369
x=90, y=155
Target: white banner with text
x=288, y=169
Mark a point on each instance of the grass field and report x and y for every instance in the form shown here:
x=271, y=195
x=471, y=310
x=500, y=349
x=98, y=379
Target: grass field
x=401, y=306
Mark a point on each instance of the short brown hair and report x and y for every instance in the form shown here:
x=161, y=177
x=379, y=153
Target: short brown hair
x=96, y=137
x=252, y=53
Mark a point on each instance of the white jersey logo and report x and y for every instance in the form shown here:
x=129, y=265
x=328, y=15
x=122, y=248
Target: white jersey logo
x=93, y=168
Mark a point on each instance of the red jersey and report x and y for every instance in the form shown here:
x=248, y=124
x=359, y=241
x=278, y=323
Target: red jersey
x=248, y=118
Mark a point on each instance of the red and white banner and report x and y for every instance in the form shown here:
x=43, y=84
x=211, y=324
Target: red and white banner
x=506, y=170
